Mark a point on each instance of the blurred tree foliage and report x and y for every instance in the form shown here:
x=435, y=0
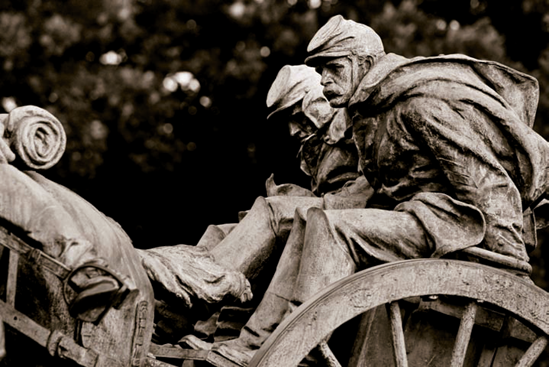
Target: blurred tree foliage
x=163, y=101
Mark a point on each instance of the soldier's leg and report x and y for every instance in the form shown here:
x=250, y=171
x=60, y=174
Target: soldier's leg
x=338, y=242
x=254, y=247
x=258, y=239
x=330, y=248
x=214, y=234
x=275, y=303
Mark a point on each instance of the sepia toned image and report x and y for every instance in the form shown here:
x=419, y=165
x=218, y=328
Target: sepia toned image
x=274, y=183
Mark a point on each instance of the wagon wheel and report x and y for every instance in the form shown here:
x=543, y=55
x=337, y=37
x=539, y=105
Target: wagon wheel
x=387, y=284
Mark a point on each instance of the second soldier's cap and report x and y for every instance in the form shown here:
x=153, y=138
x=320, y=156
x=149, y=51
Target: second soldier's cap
x=290, y=86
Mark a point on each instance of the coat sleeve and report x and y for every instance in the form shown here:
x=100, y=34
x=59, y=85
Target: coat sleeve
x=465, y=141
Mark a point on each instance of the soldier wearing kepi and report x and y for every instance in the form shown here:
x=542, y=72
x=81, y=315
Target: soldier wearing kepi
x=447, y=145
x=228, y=253
x=326, y=154
x=446, y=141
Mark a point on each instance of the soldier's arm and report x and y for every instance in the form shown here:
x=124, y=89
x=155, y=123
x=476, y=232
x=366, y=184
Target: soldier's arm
x=460, y=137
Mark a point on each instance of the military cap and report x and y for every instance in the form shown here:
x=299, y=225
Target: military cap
x=290, y=86
x=341, y=37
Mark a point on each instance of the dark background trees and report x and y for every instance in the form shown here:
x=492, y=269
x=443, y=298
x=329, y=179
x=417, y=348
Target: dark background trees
x=163, y=101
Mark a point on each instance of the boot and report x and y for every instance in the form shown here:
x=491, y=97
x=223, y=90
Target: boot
x=271, y=311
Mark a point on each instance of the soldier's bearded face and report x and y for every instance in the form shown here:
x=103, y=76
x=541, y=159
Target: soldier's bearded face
x=337, y=80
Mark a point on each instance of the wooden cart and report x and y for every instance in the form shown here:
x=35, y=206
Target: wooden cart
x=499, y=313
x=406, y=312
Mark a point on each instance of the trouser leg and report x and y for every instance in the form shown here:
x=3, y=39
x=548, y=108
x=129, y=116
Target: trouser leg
x=250, y=243
x=254, y=242
x=311, y=260
x=214, y=234
x=339, y=242
x=331, y=246
x=324, y=259
x=275, y=303
x=254, y=247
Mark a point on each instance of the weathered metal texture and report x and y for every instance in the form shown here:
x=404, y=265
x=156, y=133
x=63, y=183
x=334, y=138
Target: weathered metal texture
x=329, y=357
x=11, y=285
x=36, y=137
x=55, y=342
x=18, y=247
x=533, y=352
x=397, y=333
x=123, y=335
x=345, y=299
x=464, y=334
x=188, y=356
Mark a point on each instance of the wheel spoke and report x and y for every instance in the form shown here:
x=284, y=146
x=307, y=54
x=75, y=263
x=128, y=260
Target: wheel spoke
x=340, y=302
x=533, y=352
x=330, y=358
x=464, y=334
x=399, y=345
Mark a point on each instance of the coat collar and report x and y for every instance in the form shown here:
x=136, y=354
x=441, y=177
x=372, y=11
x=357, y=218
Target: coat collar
x=393, y=75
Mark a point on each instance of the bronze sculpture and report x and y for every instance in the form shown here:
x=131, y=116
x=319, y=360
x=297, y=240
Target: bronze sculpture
x=79, y=274
x=447, y=145
x=213, y=268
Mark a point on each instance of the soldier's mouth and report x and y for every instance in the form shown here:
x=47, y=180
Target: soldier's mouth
x=330, y=94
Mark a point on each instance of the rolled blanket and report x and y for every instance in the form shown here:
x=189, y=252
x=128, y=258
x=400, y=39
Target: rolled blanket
x=36, y=137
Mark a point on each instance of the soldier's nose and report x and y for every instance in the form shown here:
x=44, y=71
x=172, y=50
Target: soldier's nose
x=294, y=129
x=325, y=78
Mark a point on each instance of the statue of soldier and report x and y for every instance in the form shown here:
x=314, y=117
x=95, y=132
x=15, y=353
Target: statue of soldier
x=447, y=145
x=215, y=266
x=109, y=307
